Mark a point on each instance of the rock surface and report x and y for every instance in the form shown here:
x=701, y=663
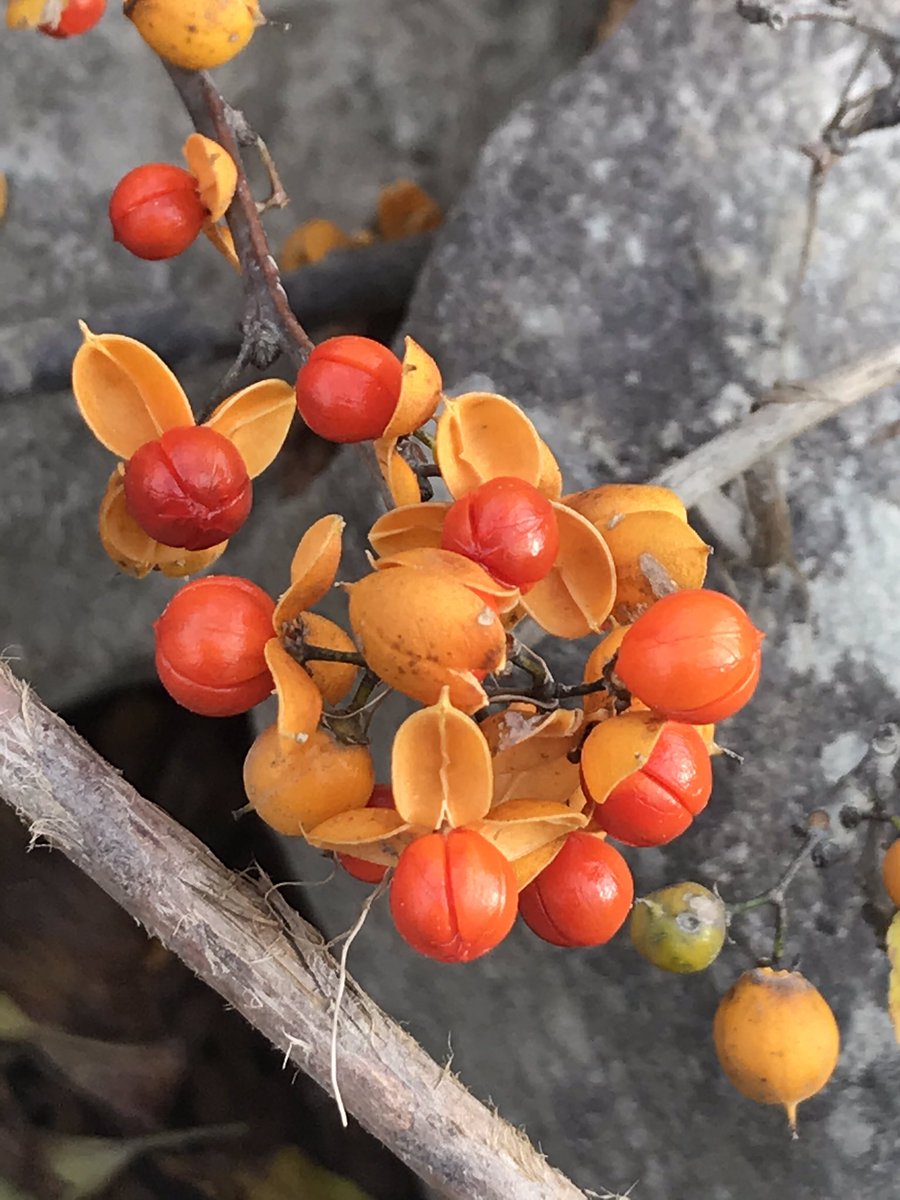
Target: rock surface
x=620, y=265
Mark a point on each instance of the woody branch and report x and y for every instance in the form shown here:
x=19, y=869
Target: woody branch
x=260, y=956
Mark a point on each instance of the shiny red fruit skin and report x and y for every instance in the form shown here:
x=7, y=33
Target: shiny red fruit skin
x=583, y=897
x=156, y=211
x=694, y=656
x=453, y=896
x=654, y=805
x=368, y=872
x=189, y=488
x=508, y=527
x=210, y=644
x=348, y=388
x=77, y=17
x=359, y=868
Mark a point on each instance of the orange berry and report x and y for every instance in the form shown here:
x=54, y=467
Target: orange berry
x=156, y=211
x=210, y=645
x=295, y=786
x=776, y=1038
x=195, y=34
x=453, y=896
x=694, y=657
x=582, y=898
x=890, y=872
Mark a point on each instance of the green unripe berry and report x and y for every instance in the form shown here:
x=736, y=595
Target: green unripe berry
x=680, y=928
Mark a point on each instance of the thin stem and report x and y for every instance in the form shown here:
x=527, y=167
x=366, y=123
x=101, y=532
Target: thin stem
x=523, y=657
x=817, y=831
x=302, y=652
x=268, y=323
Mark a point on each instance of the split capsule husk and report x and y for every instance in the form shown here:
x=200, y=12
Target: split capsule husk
x=615, y=749
x=377, y=835
x=577, y=595
x=605, y=505
x=441, y=768
x=530, y=751
x=409, y=527
x=519, y=828
x=654, y=553
x=215, y=172
x=482, y=436
x=313, y=569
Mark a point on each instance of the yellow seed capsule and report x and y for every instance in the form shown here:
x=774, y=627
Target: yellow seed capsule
x=422, y=631
x=195, y=34
x=295, y=786
x=776, y=1038
x=441, y=768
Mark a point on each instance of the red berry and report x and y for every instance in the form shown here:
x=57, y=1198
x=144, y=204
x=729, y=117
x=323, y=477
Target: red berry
x=156, y=210
x=210, y=643
x=77, y=17
x=348, y=389
x=189, y=488
x=453, y=895
x=359, y=868
x=658, y=802
x=694, y=656
x=507, y=526
x=582, y=898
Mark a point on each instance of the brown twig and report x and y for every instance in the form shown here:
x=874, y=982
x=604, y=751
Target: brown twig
x=269, y=965
x=268, y=324
x=778, y=14
x=371, y=281
x=783, y=413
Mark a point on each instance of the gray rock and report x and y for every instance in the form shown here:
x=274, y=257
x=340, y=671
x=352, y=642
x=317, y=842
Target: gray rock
x=620, y=265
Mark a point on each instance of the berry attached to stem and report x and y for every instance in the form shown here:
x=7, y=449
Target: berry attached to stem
x=156, y=211
x=348, y=388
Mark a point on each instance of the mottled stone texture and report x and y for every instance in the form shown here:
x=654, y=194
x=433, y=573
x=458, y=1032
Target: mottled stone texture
x=620, y=264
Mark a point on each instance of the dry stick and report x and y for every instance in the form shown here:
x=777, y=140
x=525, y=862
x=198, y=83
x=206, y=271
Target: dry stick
x=785, y=411
x=272, y=969
x=269, y=326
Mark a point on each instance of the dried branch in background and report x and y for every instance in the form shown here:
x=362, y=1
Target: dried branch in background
x=783, y=413
x=260, y=956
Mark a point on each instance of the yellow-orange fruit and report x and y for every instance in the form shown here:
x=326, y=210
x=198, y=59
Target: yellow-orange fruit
x=776, y=1038
x=195, y=34
x=332, y=679
x=609, y=502
x=654, y=553
x=295, y=786
x=598, y=659
x=890, y=872
x=422, y=631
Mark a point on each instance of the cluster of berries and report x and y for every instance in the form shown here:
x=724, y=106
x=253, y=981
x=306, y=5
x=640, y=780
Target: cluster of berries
x=504, y=798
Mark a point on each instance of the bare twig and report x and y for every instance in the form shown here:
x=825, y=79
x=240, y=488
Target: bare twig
x=783, y=413
x=272, y=970
x=268, y=325
x=371, y=281
x=778, y=14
